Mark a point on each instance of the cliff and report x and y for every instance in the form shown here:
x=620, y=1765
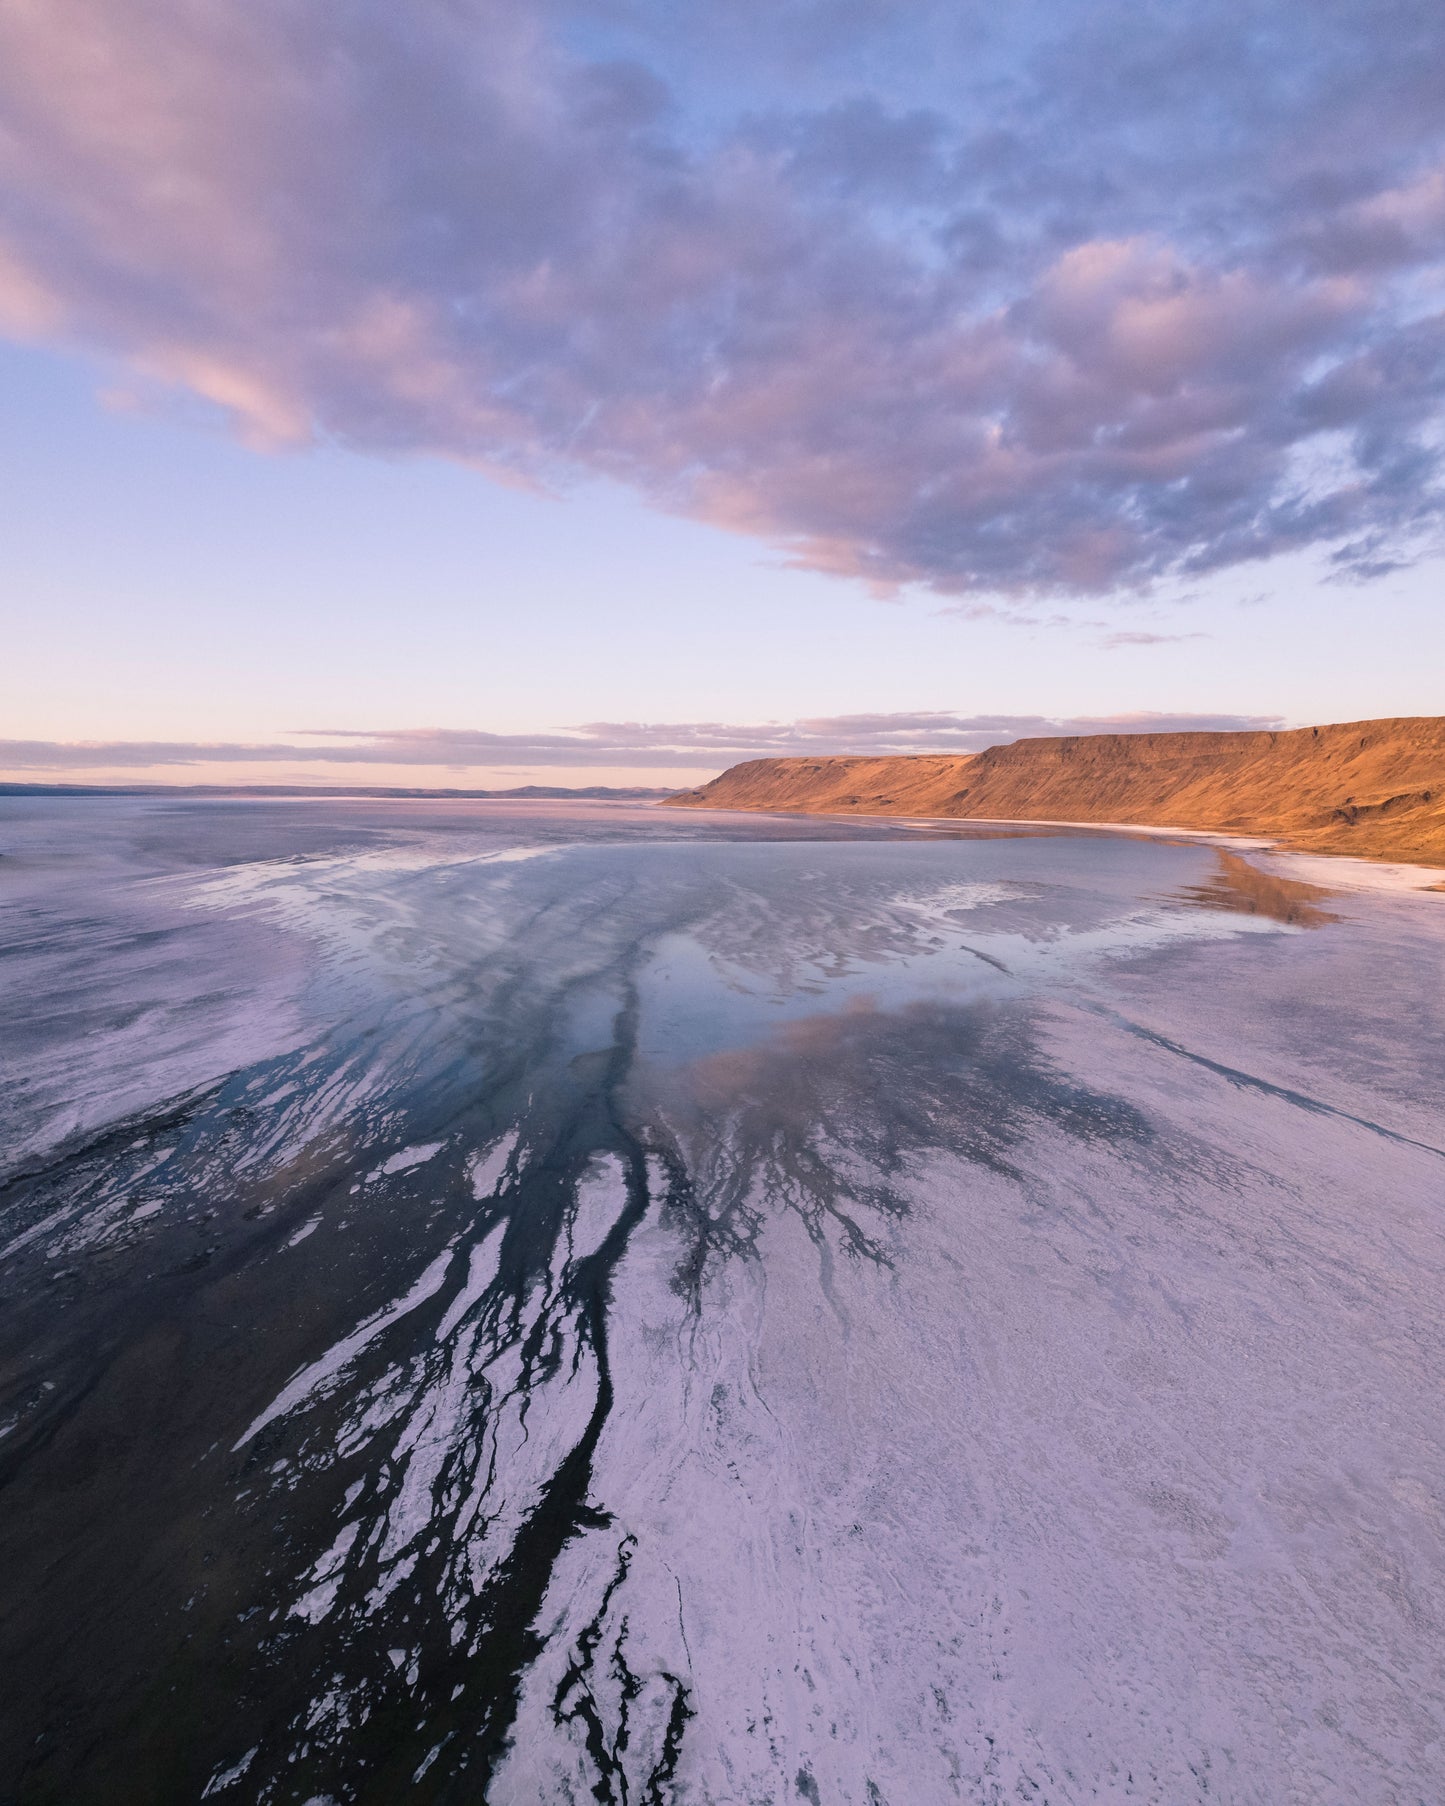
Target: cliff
x=1375, y=789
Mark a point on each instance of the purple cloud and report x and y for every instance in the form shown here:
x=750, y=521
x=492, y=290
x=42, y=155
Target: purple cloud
x=1039, y=304
x=626, y=744
x=1111, y=642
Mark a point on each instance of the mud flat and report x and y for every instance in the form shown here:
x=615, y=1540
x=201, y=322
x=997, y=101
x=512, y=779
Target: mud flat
x=539, y=1303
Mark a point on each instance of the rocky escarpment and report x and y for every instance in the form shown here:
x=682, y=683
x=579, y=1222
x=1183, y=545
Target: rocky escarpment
x=1371, y=788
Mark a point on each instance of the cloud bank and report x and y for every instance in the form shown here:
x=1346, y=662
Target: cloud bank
x=602, y=745
x=1046, y=299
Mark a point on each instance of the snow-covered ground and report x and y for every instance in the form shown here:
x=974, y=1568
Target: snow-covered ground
x=890, y=1318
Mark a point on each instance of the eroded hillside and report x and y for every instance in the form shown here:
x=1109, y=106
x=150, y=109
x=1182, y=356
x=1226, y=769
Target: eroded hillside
x=1372, y=788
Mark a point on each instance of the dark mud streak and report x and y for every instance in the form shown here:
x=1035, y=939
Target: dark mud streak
x=83, y=1152
x=967, y=1080
x=564, y=1511
x=823, y=1120
x=1248, y=1081
x=574, y=1701
x=272, y=1675
x=46, y=1328
x=131, y=1293
x=491, y=1662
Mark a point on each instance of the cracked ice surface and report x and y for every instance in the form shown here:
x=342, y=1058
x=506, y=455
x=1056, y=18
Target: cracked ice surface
x=719, y=1313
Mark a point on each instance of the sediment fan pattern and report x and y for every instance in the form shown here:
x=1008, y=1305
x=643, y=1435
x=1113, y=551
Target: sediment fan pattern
x=601, y=1305
x=1373, y=788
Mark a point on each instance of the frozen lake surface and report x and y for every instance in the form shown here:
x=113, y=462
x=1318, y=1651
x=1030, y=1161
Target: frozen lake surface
x=586, y=1303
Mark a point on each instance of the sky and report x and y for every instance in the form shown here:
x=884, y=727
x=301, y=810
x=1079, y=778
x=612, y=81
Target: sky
x=487, y=392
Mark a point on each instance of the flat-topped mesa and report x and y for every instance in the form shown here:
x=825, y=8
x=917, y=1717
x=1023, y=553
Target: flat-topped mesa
x=1372, y=788
x=915, y=785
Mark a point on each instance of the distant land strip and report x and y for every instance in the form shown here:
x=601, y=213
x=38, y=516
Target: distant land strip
x=1375, y=789
x=524, y=792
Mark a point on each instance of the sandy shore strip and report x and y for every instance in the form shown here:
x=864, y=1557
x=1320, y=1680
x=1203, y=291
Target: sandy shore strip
x=1342, y=870
x=1338, y=869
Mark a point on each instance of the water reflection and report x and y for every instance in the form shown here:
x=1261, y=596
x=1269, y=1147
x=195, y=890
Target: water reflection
x=1247, y=889
x=825, y=1114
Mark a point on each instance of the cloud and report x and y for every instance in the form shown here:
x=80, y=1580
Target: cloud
x=1003, y=302
x=612, y=745
x=1111, y=642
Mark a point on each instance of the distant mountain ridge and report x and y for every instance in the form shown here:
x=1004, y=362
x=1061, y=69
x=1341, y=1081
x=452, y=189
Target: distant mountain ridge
x=1371, y=788
x=525, y=792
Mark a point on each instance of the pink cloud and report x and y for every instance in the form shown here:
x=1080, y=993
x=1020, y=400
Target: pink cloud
x=899, y=348
x=605, y=745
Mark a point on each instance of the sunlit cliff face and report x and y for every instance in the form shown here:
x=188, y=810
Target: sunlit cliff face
x=582, y=1304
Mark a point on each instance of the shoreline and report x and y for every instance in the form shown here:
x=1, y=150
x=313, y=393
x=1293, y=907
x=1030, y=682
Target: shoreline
x=1368, y=790
x=1368, y=873
x=1354, y=871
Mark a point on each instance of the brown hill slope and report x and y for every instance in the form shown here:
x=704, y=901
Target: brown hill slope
x=919, y=785
x=1371, y=788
